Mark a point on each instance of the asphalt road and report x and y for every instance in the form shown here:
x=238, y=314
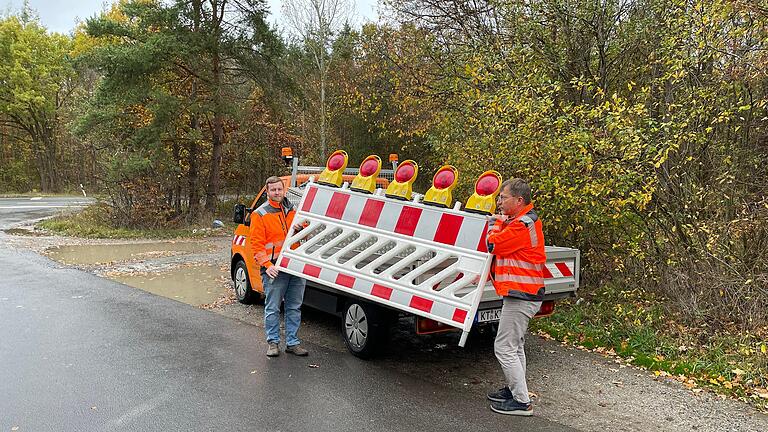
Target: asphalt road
x=19, y=210
x=81, y=353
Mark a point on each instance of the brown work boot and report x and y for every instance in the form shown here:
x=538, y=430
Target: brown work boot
x=297, y=350
x=273, y=350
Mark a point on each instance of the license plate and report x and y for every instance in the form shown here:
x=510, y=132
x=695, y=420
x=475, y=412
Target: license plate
x=488, y=315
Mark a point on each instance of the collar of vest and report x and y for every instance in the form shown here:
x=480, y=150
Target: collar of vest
x=285, y=205
x=524, y=211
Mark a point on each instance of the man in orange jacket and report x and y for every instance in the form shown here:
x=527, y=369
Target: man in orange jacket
x=517, y=242
x=269, y=227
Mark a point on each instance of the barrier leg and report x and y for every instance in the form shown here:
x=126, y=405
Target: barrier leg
x=463, y=339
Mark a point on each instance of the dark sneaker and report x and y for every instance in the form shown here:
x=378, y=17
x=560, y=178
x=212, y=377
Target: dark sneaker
x=512, y=407
x=297, y=350
x=273, y=350
x=501, y=395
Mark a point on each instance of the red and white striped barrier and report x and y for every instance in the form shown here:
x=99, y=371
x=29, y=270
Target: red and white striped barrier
x=556, y=270
x=405, y=255
x=376, y=291
x=443, y=226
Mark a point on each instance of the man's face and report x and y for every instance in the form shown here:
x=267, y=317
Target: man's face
x=509, y=204
x=276, y=191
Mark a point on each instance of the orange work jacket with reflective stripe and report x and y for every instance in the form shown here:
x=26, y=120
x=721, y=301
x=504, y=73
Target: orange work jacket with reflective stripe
x=269, y=227
x=518, y=248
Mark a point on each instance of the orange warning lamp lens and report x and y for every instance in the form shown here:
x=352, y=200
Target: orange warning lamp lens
x=405, y=172
x=487, y=184
x=393, y=157
x=286, y=152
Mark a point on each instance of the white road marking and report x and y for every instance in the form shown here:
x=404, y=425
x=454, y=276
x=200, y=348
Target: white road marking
x=36, y=199
x=41, y=206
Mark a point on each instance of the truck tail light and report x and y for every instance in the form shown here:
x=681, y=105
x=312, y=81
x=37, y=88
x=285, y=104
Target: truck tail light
x=547, y=308
x=428, y=326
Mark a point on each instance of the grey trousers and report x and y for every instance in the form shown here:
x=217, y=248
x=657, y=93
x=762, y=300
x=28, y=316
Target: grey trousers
x=510, y=343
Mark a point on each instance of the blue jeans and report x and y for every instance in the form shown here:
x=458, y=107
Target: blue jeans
x=290, y=290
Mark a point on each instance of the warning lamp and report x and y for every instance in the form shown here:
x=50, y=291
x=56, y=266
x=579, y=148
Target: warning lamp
x=333, y=173
x=402, y=186
x=287, y=155
x=442, y=185
x=365, y=181
x=487, y=188
x=393, y=158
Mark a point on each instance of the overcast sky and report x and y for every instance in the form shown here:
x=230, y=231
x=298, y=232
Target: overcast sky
x=61, y=15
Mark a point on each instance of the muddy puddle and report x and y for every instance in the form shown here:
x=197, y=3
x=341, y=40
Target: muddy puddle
x=194, y=285
x=104, y=254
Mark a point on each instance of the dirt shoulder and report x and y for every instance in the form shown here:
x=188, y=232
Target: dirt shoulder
x=577, y=388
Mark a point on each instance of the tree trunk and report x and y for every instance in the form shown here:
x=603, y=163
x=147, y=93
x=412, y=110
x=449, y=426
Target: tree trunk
x=45, y=159
x=323, y=149
x=212, y=192
x=212, y=189
x=193, y=176
x=194, y=125
x=177, y=181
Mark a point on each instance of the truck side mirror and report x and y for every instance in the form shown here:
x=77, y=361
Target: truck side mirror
x=239, y=216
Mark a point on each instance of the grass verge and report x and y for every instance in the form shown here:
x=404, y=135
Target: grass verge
x=631, y=325
x=92, y=222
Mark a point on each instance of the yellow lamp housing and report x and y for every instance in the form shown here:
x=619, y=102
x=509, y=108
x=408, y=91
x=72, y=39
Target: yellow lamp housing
x=440, y=194
x=483, y=200
x=365, y=181
x=333, y=173
x=402, y=186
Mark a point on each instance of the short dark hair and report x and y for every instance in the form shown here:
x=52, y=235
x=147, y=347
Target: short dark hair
x=518, y=187
x=271, y=180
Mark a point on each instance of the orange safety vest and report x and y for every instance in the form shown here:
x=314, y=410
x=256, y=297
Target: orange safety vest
x=518, y=249
x=269, y=227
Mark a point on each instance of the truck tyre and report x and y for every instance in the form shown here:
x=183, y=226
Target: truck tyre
x=365, y=328
x=243, y=291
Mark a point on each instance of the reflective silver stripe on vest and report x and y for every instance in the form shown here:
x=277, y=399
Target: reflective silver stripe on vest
x=517, y=263
x=519, y=279
x=268, y=246
x=266, y=208
x=531, y=229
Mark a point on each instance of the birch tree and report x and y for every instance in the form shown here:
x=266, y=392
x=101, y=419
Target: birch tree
x=317, y=23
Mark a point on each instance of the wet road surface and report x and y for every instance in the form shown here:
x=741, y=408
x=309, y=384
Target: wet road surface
x=19, y=210
x=83, y=353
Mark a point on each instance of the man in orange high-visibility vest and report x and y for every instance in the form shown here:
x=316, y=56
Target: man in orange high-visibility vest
x=516, y=241
x=269, y=227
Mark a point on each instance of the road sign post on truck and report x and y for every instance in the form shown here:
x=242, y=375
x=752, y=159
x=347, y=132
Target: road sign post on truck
x=375, y=251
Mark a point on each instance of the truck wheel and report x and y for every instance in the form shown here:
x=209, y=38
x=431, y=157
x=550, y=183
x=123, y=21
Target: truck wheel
x=365, y=328
x=243, y=291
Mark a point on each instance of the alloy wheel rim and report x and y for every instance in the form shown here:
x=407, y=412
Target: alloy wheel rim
x=240, y=283
x=356, y=326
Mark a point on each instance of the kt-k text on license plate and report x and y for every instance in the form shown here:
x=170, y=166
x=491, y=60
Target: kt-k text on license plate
x=488, y=315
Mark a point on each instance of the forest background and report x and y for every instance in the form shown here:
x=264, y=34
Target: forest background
x=641, y=125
